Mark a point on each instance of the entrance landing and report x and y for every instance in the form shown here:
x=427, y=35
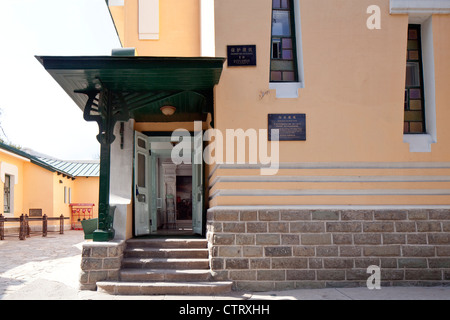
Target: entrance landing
x=165, y=266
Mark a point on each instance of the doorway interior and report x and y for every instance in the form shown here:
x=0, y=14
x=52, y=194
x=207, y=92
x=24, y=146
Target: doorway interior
x=169, y=198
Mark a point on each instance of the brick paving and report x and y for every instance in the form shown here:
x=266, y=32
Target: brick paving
x=54, y=259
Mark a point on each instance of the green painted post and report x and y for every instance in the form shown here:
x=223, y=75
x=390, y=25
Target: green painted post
x=105, y=231
x=107, y=112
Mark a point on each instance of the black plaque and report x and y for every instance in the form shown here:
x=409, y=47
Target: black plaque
x=35, y=212
x=241, y=56
x=292, y=126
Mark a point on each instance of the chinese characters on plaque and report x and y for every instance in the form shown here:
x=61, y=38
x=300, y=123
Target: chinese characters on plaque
x=292, y=127
x=241, y=56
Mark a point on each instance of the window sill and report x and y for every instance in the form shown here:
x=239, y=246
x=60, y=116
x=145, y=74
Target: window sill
x=419, y=142
x=286, y=89
x=419, y=6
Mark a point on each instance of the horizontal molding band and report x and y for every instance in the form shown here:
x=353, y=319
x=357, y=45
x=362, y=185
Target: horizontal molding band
x=338, y=165
x=295, y=193
x=419, y=6
x=328, y=179
x=331, y=207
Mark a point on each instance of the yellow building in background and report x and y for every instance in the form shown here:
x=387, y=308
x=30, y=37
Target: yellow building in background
x=35, y=186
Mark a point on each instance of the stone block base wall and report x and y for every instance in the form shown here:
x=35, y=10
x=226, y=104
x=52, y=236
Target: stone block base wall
x=100, y=261
x=264, y=250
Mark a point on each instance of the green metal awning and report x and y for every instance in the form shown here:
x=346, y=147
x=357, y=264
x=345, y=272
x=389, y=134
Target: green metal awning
x=119, y=88
x=140, y=86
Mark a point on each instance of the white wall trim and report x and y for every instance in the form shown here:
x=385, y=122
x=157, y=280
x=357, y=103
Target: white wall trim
x=15, y=155
x=327, y=192
x=429, y=78
x=148, y=19
x=286, y=90
x=336, y=165
x=116, y=3
x=420, y=6
x=418, y=142
x=207, y=28
x=341, y=165
x=331, y=207
x=10, y=169
x=328, y=179
x=13, y=172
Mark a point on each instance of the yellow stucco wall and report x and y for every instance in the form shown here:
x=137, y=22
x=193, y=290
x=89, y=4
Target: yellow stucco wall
x=118, y=14
x=38, y=189
x=179, y=28
x=353, y=99
x=85, y=190
x=355, y=80
x=60, y=201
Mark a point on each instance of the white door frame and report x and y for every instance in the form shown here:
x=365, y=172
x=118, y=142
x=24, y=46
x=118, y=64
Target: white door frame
x=150, y=212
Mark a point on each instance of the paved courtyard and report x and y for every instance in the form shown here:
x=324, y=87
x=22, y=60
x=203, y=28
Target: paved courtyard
x=48, y=269
x=51, y=264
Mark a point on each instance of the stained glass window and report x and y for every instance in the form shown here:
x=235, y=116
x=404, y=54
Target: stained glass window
x=414, y=99
x=283, y=66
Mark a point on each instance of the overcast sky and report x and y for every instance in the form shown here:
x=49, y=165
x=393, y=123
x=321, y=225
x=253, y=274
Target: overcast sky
x=36, y=112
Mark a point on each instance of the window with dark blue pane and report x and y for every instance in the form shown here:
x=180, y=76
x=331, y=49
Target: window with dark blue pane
x=283, y=64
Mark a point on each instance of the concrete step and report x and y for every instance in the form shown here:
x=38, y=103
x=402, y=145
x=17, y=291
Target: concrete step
x=164, y=263
x=166, y=253
x=167, y=243
x=142, y=275
x=165, y=266
x=164, y=288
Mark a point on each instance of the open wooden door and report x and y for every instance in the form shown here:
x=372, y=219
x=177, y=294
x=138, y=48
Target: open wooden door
x=142, y=187
x=197, y=183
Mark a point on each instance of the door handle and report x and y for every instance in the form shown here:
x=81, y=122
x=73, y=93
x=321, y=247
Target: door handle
x=141, y=197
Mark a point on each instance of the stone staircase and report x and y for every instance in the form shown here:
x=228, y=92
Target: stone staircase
x=165, y=266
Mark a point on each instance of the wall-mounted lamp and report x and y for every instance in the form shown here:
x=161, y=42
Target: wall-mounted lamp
x=168, y=110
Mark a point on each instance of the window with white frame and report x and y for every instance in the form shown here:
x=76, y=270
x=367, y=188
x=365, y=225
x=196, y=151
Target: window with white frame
x=286, y=62
x=414, y=122
x=9, y=176
x=283, y=63
x=420, y=13
x=7, y=194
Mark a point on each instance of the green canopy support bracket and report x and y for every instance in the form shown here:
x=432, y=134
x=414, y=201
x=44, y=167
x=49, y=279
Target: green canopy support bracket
x=106, y=108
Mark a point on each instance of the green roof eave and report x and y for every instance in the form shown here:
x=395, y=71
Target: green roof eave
x=33, y=159
x=128, y=74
